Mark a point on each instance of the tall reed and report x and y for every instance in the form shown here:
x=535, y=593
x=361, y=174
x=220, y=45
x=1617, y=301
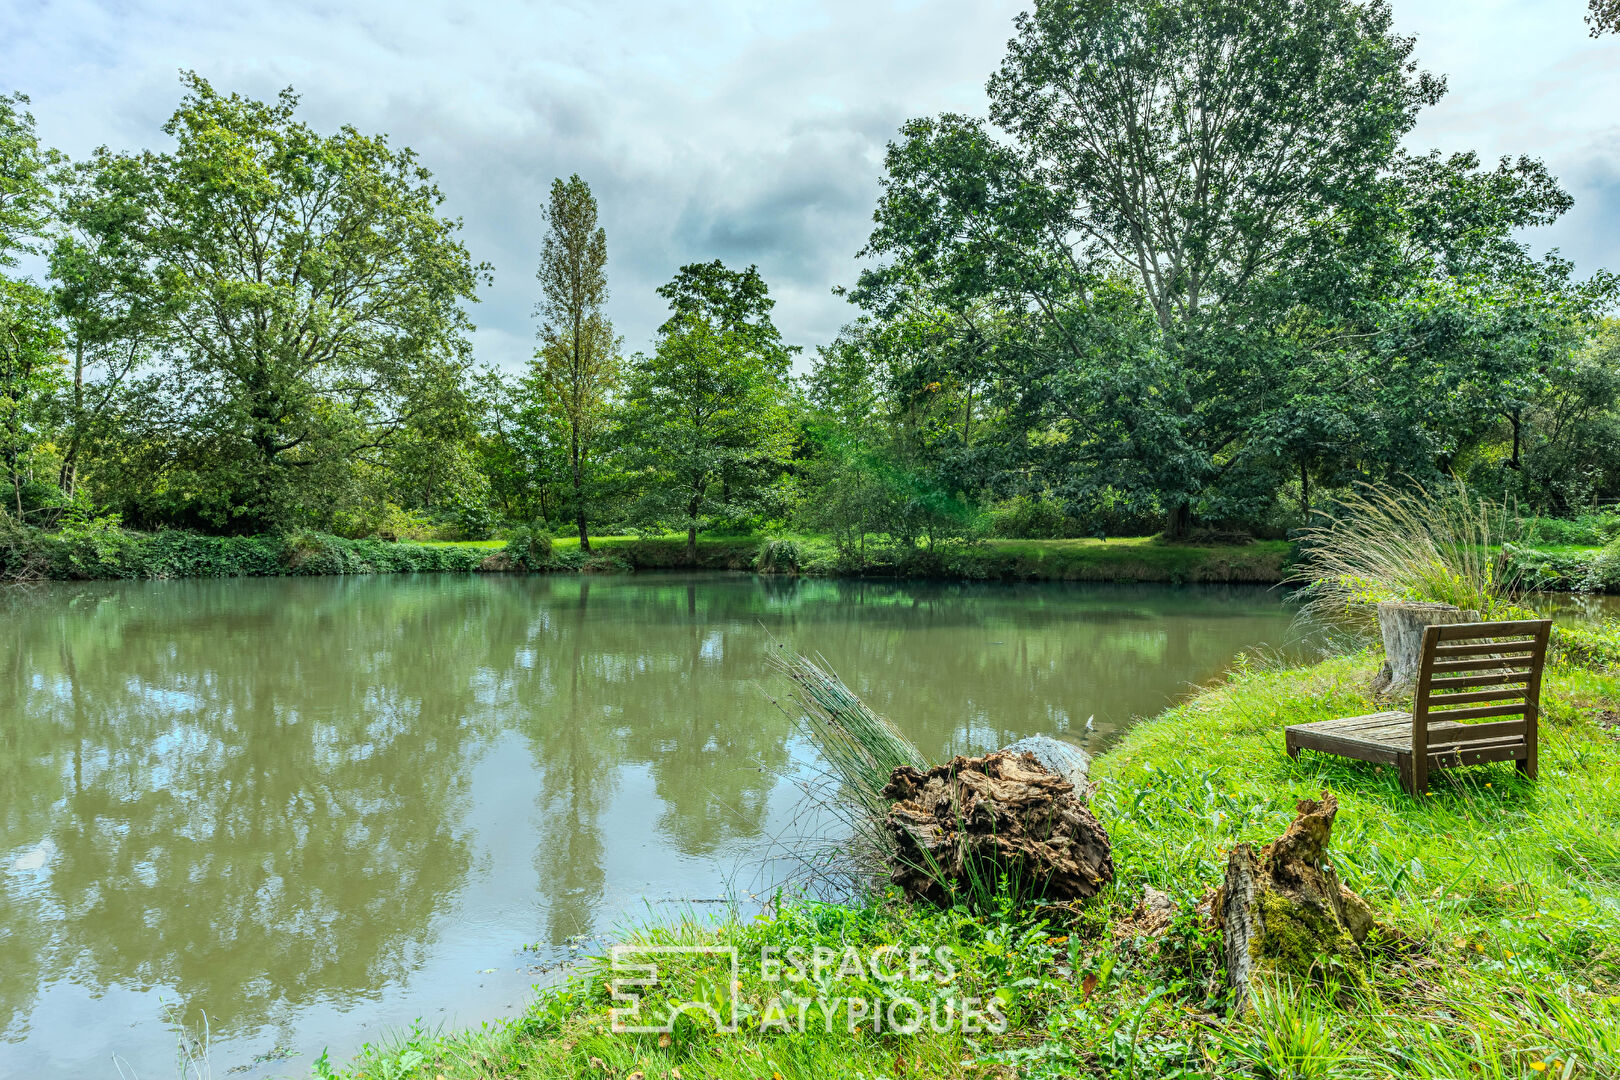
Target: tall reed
x=861, y=750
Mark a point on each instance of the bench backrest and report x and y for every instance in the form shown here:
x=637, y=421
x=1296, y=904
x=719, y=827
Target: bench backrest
x=1480, y=671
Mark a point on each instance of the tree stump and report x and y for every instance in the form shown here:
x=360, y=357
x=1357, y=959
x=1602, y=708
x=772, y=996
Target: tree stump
x=1285, y=910
x=1401, y=623
x=977, y=819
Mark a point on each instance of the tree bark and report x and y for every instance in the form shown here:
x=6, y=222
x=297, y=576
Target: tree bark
x=1283, y=908
x=1179, y=523
x=579, y=495
x=1005, y=814
x=1401, y=623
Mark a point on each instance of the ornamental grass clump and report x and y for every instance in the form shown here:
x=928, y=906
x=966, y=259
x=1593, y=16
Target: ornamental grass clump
x=1408, y=543
x=860, y=750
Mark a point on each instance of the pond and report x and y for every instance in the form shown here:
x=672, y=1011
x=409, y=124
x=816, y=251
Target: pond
x=319, y=809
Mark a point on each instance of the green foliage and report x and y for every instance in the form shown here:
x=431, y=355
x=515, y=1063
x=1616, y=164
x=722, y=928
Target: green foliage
x=1168, y=342
x=300, y=341
x=529, y=548
x=96, y=547
x=1586, y=530
x=707, y=417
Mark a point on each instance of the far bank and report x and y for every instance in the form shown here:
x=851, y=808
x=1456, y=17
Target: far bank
x=99, y=553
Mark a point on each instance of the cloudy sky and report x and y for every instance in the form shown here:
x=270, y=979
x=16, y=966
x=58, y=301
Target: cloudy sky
x=748, y=132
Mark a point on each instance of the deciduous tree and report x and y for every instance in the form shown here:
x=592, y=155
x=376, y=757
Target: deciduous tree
x=314, y=284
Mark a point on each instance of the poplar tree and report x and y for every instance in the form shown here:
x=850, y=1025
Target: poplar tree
x=577, y=366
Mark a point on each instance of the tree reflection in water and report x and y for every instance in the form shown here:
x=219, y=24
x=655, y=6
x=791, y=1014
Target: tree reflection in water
x=259, y=796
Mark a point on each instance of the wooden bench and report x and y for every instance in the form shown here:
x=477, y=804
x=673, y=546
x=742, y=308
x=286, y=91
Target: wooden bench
x=1469, y=672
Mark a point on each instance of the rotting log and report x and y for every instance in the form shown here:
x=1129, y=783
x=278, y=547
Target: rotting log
x=1283, y=908
x=1401, y=624
x=1001, y=815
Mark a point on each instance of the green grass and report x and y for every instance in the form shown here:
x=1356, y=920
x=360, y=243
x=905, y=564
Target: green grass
x=1503, y=895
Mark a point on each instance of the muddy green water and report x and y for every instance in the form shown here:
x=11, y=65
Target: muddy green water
x=320, y=809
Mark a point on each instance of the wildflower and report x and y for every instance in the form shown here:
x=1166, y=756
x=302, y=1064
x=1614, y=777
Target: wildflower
x=1539, y=1066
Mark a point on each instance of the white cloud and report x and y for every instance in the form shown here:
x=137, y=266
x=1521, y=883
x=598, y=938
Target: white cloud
x=748, y=132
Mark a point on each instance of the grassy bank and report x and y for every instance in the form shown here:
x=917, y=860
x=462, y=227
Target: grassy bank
x=1144, y=559
x=1503, y=898
x=98, y=552
x=103, y=553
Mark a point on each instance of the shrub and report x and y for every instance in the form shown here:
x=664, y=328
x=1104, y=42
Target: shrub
x=1027, y=517
x=1588, y=530
x=528, y=548
x=474, y=520
x=93, y=547
x=778, y=557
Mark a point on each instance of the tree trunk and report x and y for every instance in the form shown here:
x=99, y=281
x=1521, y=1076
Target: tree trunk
x=1283, y=908
x=69, y=481
x=1006, y=814
x=579, y=500
x=1179, y=523
x=691, y=542
x=1402, y=622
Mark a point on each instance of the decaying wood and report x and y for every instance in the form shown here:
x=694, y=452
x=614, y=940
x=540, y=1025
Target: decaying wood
x=1283, y=908
x=1401, y=624
x=1001, y=814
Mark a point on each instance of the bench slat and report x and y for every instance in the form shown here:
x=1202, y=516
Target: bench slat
x=1464, y=734
x=1483, y=695
x=1477, y=714
x=1464, y=631
x=1478, y=680
x=1446, y=652
x=1475, y=755
x=1489, y=663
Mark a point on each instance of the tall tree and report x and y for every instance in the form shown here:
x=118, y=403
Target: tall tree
x=114, y=313
x=734, y=301
x=1199, y=215
x=314, y=287
x=707, y=416
x=578, y=365
x=30, y=361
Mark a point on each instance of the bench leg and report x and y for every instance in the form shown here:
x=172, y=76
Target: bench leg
x=1527, y=765
x=1414, y=774
x=1288, y=744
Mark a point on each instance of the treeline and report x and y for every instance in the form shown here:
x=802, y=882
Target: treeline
x=1184, y=277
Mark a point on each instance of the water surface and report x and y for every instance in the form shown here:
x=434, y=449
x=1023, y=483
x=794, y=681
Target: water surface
x=318, y=809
